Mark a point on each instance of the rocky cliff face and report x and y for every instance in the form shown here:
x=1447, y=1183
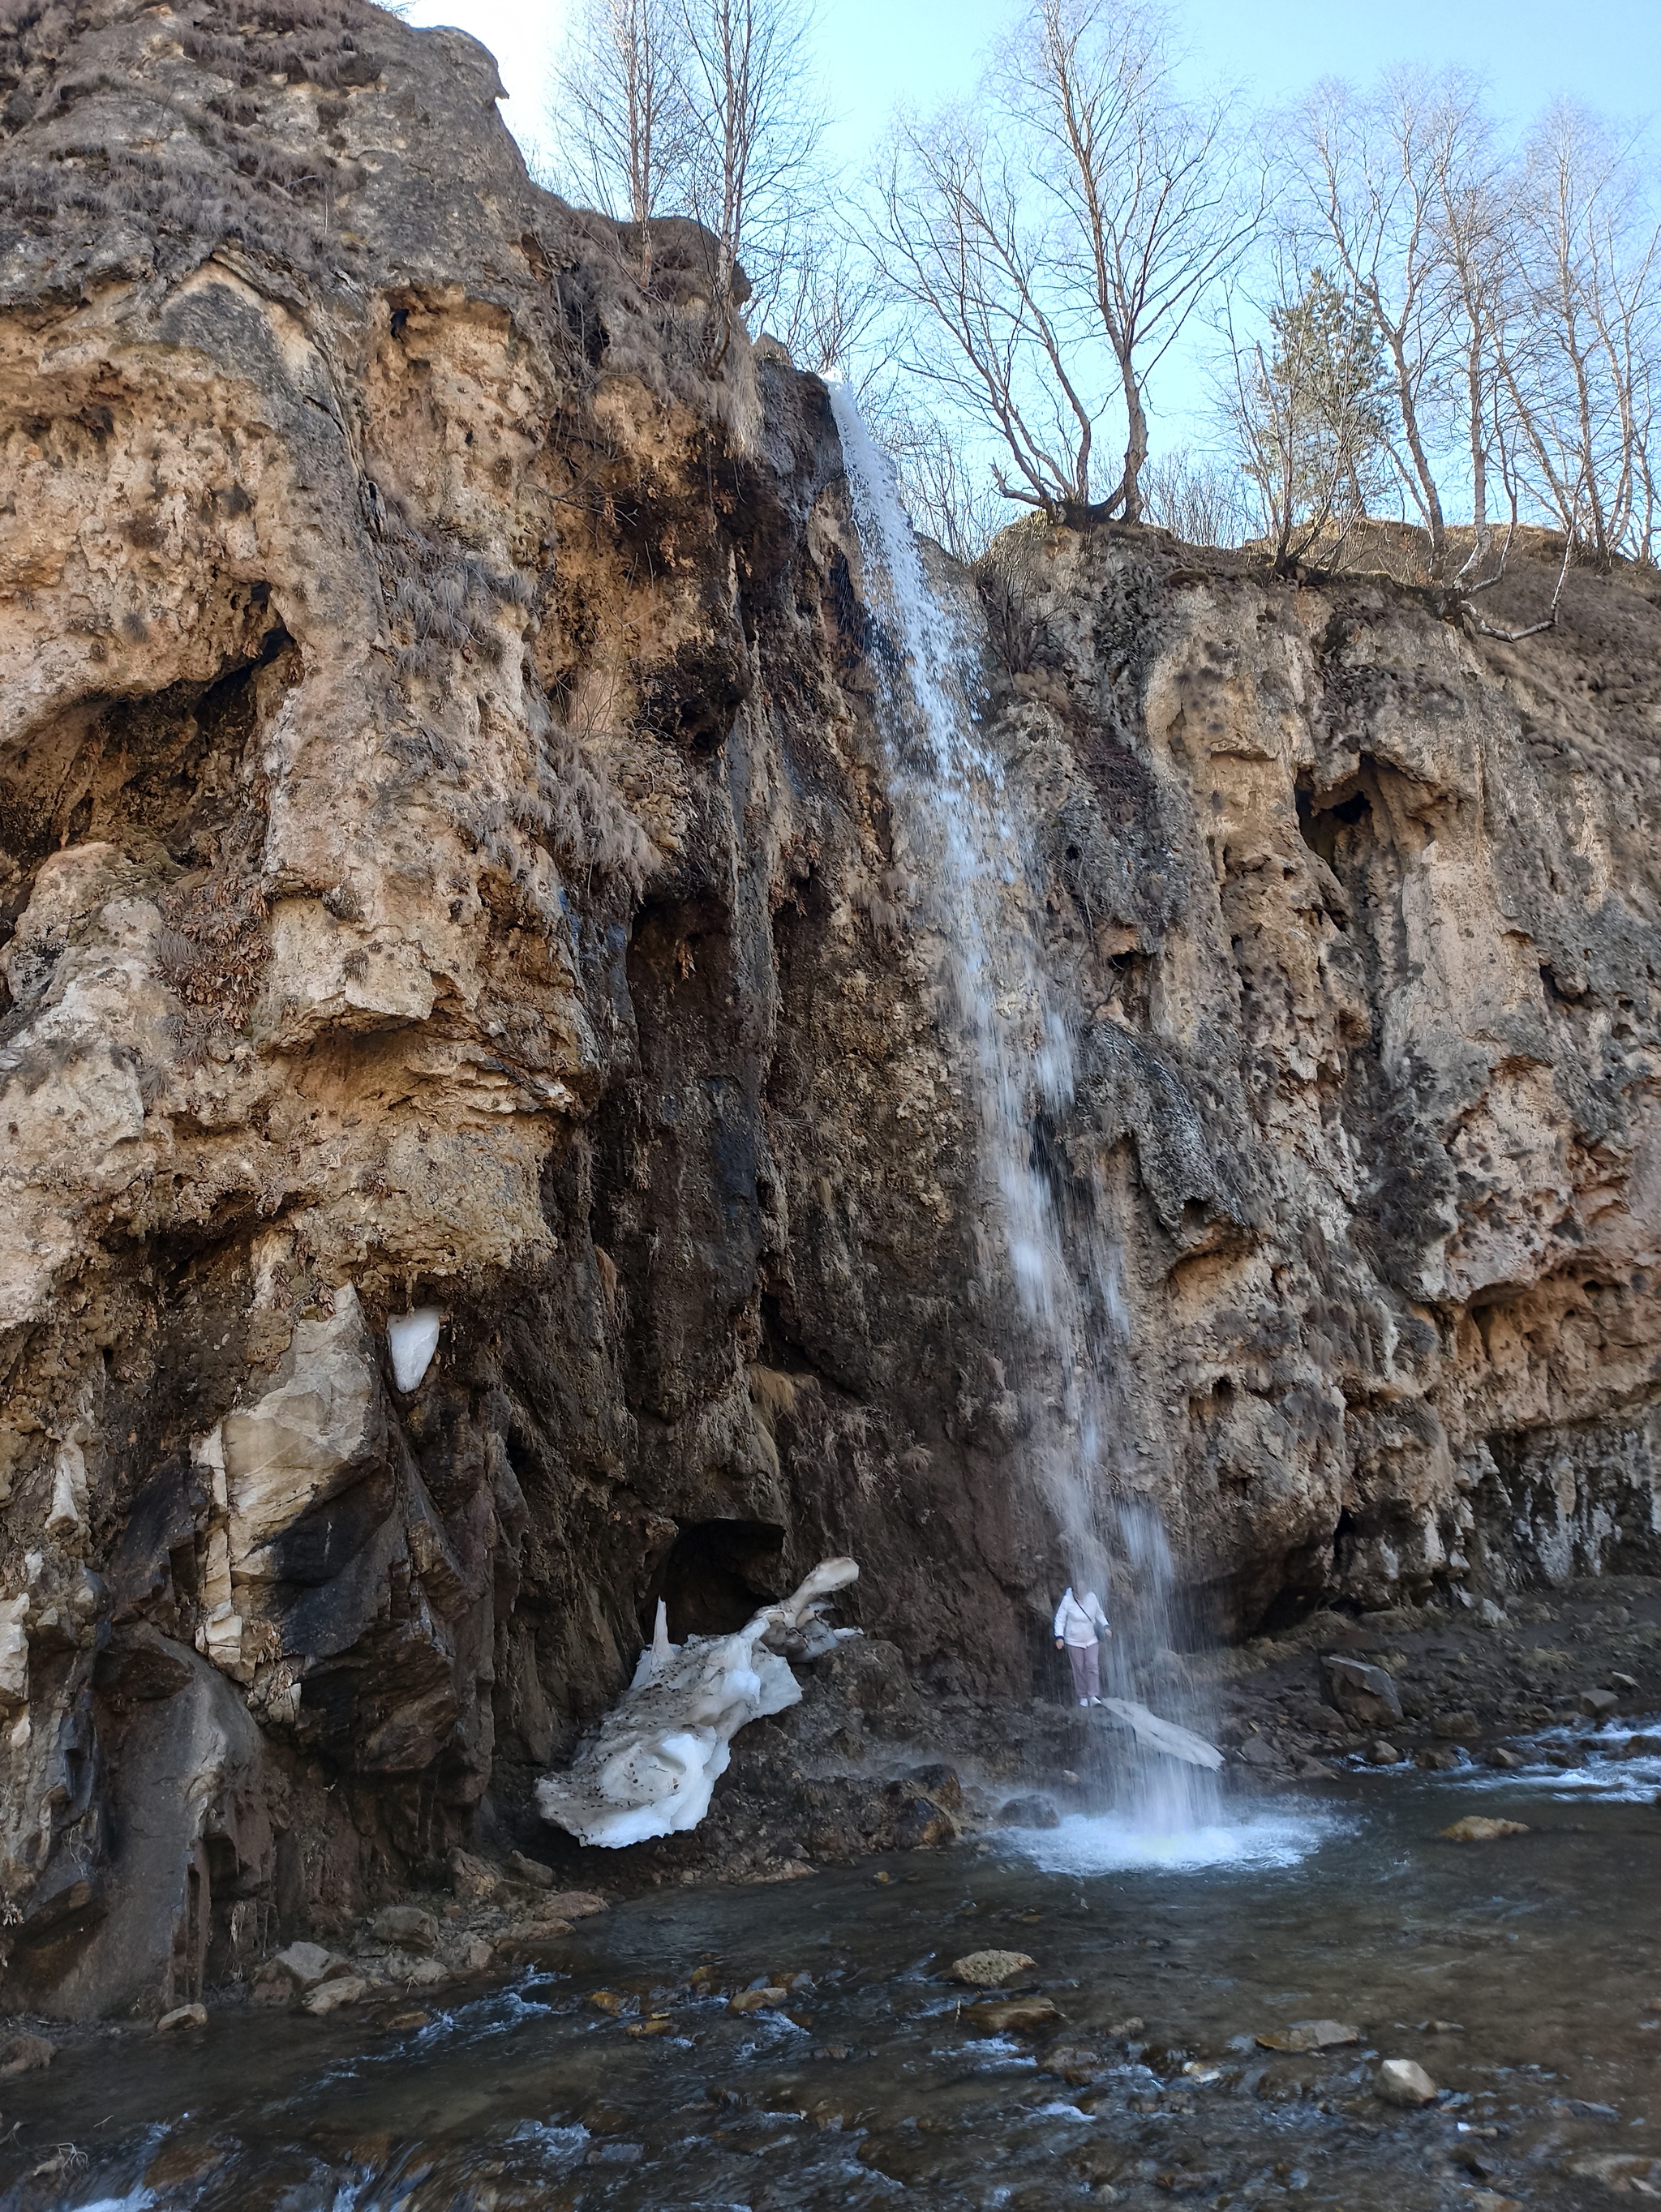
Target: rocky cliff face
x=445, y=862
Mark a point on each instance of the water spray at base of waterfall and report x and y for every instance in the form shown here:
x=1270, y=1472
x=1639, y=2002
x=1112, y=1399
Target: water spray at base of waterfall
x=1111, y=1843
x=958, y=834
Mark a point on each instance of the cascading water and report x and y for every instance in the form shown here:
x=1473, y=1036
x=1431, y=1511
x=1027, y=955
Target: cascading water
x=958, y=834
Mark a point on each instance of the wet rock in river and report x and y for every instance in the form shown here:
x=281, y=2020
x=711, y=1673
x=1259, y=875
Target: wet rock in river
x=763, y=1999
x=1508, y=1761
x=1365, y=1694
x=184, y=2015
x=1011, y=2016
x=1034, y=1812
x=1403, y=2082
x=1312, y=2035
x=332, y=1996
x=989, y=1970
x=1599, y=1704
x=1380, y=1753
x=1475, y=1829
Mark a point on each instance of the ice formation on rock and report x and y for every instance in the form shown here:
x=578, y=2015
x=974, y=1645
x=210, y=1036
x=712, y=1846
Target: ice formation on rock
x=652, y=1766
x=412, y=1339
x=1164, y=1736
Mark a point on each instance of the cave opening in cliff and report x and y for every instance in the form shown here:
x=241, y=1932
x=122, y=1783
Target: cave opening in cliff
x=1323, y=828
x=715, y=1575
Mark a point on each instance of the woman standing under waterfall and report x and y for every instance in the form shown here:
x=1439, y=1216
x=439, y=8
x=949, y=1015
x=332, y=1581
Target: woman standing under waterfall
x=1079, y=1623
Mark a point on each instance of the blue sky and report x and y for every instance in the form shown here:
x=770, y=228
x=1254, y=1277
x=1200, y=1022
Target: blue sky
x=873, y=52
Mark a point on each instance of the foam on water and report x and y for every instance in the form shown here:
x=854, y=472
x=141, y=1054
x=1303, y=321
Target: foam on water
x=1109, y=1843
x=1610, y=1775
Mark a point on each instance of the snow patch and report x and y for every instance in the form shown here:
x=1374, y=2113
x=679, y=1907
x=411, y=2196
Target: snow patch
x=412, y=1339
x=652, y=1766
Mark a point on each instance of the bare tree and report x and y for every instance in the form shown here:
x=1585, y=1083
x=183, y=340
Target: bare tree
x=1377, y=177
x=757, y=127
x=1582, y=338
x=1057, y=238
x=949, y=490
x=1140, y=187
x=621, y=111
x=961, y=254
x=826, y=307
x=1197, y=497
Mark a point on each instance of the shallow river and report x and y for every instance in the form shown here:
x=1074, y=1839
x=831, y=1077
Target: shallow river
x=1339, y=1902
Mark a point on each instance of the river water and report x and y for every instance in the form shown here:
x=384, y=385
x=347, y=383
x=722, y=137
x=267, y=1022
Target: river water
x=868, y=2088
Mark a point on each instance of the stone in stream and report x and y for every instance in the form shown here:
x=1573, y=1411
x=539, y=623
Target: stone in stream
x=1011, y=2016
x=989, y=1970
x=1475, y=1829
x=1508, y=1761
x=1365, y=1694
x=184, y=2015
x=330, y=1997
x=1380, y=1753
x=1599, y=1703
x=1312, y=2035
x=1403, y=2082
x=767, y=2000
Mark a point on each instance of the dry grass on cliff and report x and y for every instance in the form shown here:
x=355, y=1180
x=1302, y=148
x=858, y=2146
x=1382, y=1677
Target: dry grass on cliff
x=186, y=157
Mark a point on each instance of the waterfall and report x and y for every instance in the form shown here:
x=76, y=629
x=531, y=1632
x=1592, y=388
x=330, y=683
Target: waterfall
x=959, y=835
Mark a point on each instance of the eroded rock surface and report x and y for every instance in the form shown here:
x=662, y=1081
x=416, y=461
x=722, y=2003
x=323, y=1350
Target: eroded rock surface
x=445, y=865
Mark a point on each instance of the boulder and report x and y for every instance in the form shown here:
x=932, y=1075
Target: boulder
x=1403, y=2082
x=1476, y=1828
x=330, y=1997
x=404, y=1927
x=308, y=1963
x=530, y=1870
x=1031, y=1812
x=1365, y=1694
x=188, y=2016
x=474, y=1881
x=989, y=1970
x=1600, y=1704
